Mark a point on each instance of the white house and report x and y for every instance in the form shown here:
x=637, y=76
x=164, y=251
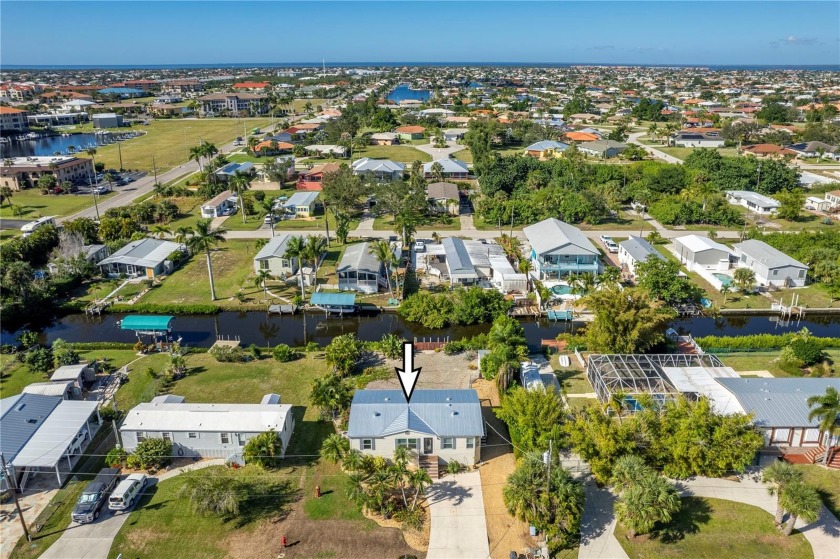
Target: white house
x=833, y=198
x=381, y=169
x=302, y=203
x=359, y=270
x=635, y=250
x=272, y=257
x=753, y=201
x=206, y=430
x=504, y=277
x=77, y=375
x=438, y=425
x=451, y=169
x=771, y=266
x=146, y=257
x=460, y=261
x=701, y=253
x=690, y=139
x=221, y=205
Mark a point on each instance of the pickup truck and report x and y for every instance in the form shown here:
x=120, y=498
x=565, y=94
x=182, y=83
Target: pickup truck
x=93, y=497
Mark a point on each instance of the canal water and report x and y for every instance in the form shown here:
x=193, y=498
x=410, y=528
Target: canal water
x=404, y=93
x=49, y=145
x=264, y=330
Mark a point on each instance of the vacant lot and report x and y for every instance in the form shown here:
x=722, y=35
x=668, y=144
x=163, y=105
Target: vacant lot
x=714, y=528
x=763, y=361
x=31, y=204
x=439, y=371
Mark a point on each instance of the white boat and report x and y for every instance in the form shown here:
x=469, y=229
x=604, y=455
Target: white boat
x=564, y=360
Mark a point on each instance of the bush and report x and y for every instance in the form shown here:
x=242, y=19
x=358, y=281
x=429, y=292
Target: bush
x=312, y=347
x=264, y=450
x=224, y=354
x=284, y=353
x=116, y=457
x=808, y=350
x=39, y=360
x=411, y=519
x=391, y=346
x=153, y=454
x=108, y=413
x=453, y=347
x=342, y=353
x=255, y=351
x=761, y=341
x=148, y=308
x=371, y=374
x=454, y=467
x=95, y=346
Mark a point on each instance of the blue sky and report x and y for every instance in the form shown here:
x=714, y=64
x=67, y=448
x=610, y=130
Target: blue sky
x=46, y=33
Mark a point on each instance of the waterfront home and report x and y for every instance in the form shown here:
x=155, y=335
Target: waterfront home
x=221, y=205
x=272, y=257
x=359, y=270
x=771, y=266
x=228, y=171
x=452, y=169
x=311, y=179
x=77, y=375
x=443, y=197
x=602, y=148
x=437, y=425
x=145, y=257
x=379, y=169
x=546, y=149
x=753, y=201
x=207, y=430
x=635, y=250
x=559, y=249
x=701, y=253
x=302, y=204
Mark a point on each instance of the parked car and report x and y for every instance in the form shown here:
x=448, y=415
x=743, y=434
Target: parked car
x=93, y=497
x=419, y=246
x=127, y=492
x=269, y=218
x=609, y=243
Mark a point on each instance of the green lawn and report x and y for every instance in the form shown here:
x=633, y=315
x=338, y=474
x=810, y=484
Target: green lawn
x=33, y=204
x=252, y=223
x=762, y=361
x=713, y=529
x=141, y=386
x=827, y=482
x=386, y=223
x=573, y=379
x=403, y=154
x=168, y=141
x=682, y=153
x=316, y=222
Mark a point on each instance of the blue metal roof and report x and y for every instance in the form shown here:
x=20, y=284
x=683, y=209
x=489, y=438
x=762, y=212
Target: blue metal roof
x=333, y=299
x=444, y=413
x=21, y=418
x=778, y=402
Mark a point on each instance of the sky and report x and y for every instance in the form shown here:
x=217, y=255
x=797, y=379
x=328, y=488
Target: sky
x=209, y=32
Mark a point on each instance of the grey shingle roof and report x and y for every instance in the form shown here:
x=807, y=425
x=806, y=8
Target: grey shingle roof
x=767, y=255
x=778, y=402
x=444, y=413
x=551, y=234
x=20, y=419
x=639, y=249
x=442, y=191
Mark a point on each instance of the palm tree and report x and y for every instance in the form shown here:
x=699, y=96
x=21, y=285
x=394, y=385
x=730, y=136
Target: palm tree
x=744, y=278
x=296, y=249
x=356, y=488
x=182, y=234
x=826, y=409
x=252, y=143
x=609, y=276
x=196, y=153
x=352, y=461
x=615, y=404
x=437, y=171
x=161, y=231
x=92, y=153
x=724, y=289
x=436, y=237
x=653, y=131
x=801, y=501
x=644, y=504
x=5, y=195
x=780, y=475
x=260, y=243
x=240, y=182
x=629, y=470
x=260, y=281
x=204, y=238
x=335, y=447
x=418, y=480
x=315, y=246
x=381, y=250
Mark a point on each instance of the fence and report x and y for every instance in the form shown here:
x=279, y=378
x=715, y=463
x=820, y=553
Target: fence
x=430, y=344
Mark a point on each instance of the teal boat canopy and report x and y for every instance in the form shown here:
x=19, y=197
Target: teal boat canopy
x=333, y=299
x=145, y=322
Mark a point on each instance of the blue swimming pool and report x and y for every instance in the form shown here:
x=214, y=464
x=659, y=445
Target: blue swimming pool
x=561, y=290
x=724, y=279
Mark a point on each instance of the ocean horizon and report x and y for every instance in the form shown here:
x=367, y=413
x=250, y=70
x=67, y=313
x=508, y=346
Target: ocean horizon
x=243, y=65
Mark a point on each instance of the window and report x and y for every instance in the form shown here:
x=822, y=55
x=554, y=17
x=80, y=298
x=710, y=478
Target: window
x=141, y=436
x=470, y=442
x=167, y=436
x=801, y=274
x=367, y=444
x=240, y=438
x=410, y=444
x=225, y=438
x=192, y=435
x=447, y=443
x=775, y=272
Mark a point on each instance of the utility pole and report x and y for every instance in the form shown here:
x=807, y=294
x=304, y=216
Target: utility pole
x=154, y=168
x=758, y=182
x=119, y=149
x=12, y=484
x=93, y=191
x=548, y=476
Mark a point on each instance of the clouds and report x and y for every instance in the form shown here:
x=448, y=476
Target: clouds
x=602, y=47
x=794, y=41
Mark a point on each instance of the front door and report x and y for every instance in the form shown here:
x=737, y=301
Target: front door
x=428, y=445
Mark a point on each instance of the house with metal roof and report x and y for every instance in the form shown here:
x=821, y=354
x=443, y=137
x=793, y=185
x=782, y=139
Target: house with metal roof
x=78, y=375
x=272, y=257
x=780, y=408
x=437, y=425
x=559, y=249
x=302, y=203
x=63, y=389
x=753, y=201
x=359, y=270
x=452, y=169
x=145, y=257
x=695, y=139
x=221, y=205
x=379, y=169
x=696, y=252
x=546, y=149
x=771, y=266
x=206, y=430
x=602, y=148
x=635, y=250
x=443, y=197
x=228, y=171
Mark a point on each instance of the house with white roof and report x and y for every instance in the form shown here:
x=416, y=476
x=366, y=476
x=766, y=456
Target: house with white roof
x=460, y=261
x=701, y=253
x=546, y=149
x=771, y=266
x=753, y=201
x=272, y=257
x=559, y=249
x=146, y=257
x=302, y=203
x=207, y=430
x=437, y=425
x=452, y=169
x=635, y=250
x=359, y=270
x=221, y=205
x=380, y=169
x=504, y=277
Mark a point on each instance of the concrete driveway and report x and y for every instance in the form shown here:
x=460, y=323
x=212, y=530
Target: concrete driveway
x=634, y=139
x=441, y=153
x=459, y=526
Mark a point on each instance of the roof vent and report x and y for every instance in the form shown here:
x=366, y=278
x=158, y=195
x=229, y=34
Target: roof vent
x=376, y=414
x=20, y=406
x=32, y=421
x=448, y=398
x=454, y=413
x=387, y=399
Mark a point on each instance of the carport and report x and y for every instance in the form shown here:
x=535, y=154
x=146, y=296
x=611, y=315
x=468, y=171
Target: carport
x=61, y=437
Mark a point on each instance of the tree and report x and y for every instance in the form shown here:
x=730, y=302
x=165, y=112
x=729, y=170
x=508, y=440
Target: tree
x=240, y=182
x=381, y=250
x=315, y=246
x=296, y=251
x=654, y=499
x=342, y=353
x=534, y=417
x=778, y=476
x=826, y=409
x=725, y=289
x=744, y=279
x=260, y=281
x=153, y=453
x=263, y=450
x=335, y=447
x=791, y=203
x=63, y=353
x=330, y=394
x=800, y=500
x=83, y=226
x=220, y=493
x=39, y=360
x=6, y=195
x=628, y=471
x=47, y=182
x=626, y=321
x=660, y=278
x=547, y=498
x=203, y=239
x=161, y=231
x=196, y=153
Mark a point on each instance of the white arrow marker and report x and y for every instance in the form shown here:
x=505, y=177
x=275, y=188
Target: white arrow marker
x=408, y=375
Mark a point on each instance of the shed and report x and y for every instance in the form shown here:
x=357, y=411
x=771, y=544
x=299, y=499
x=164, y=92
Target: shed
x=63, y=389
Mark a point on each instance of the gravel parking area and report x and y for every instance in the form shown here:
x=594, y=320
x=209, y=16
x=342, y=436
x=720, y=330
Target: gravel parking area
x=438, y=371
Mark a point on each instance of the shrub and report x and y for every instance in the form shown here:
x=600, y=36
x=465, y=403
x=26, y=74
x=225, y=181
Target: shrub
x=761, y=341
x=312, y=347
x=284, y=353
x=139, y=346
x=453, y=347
x=343, y=352
x=371, y=374
x=39, y=360
x=454, y=467
x=108, y=413
x=153, y=454
x=116, y=457
x=391, y=346
x=263, y=450
x=411, y=519
x=255, y=351
x=224, y=354
x=95, y=346
x=149, y=308
x=808, y=350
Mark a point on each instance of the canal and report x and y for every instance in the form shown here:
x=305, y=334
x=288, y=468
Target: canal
x=403, y=92
x=264, y=330
x=62, y=144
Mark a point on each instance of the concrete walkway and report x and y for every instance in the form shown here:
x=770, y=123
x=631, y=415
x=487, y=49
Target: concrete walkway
x=459, y=527
x=440, y=153
x=634, y=139
x=93, y=540
x=597, y=526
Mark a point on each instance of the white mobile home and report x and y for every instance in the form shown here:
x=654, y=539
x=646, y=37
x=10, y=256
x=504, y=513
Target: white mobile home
x=753, y=201
x=206, y=430
x=359, y=270
x=701, y=253
x=272, y=257
x=221, y=205
x=771, y=266
x=146, y=257
x=635, y=250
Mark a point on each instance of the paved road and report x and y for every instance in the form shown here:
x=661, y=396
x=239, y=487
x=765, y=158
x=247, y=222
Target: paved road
x=459, y=527
x=634, y=139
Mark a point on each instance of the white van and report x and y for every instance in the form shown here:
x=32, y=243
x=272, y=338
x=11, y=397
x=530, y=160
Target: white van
x=30, y=227
x=127, y=492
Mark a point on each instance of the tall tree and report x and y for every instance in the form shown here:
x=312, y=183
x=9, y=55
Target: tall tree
x=626, y=321
x=261, y=279
x=800, y=500
x=381, y=250
x=778, y=476
x=296, y=250
x=204, y=239
x=654, y=499
x=240, y=182
x=826, y=409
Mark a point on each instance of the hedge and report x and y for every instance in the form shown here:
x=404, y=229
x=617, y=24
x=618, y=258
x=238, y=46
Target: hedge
x=165, y=309
x=759, y=341
x=97, y=346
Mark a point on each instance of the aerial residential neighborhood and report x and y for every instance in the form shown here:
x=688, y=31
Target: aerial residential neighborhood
x=578, y=297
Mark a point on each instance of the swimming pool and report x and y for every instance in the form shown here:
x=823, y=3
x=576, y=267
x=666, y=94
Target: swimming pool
x=724, y=279
x=561, y=290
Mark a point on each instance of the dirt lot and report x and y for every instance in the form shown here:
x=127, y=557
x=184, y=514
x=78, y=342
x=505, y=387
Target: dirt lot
x=438, y=371
x=505, y=532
